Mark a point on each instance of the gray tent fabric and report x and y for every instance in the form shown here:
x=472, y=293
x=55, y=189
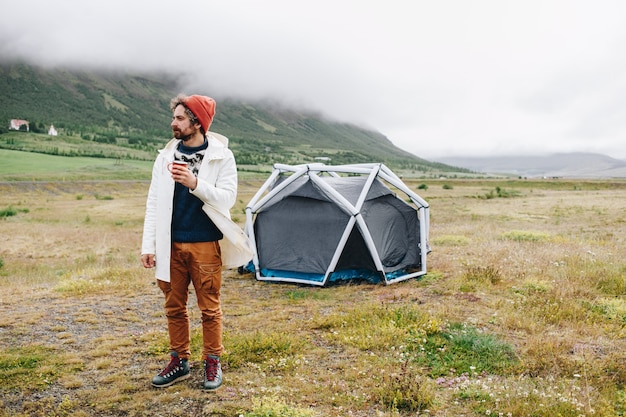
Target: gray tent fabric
x=315, y=228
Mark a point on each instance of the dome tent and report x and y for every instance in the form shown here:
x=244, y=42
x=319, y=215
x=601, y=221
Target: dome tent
x=316, y=223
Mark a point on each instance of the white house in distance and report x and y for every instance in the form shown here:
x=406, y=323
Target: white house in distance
x=52, y=131
x=17, y=123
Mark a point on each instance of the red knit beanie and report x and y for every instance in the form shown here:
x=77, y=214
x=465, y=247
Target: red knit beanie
x=203, y=108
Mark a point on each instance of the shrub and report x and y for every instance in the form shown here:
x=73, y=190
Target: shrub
x=406, y=390
x=391, y=326
x=450, y=240
x=274, y=407
x=462, y=349
x=103, y=197
x=30, y=367
x=500, y=193
x=525, y=236
x=264, y=349
x=8, y=212
x=481, y=273
x=12, y=211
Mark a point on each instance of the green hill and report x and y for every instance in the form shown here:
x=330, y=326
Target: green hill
x=126, y=116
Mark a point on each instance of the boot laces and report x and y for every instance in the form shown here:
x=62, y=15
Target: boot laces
x=211, y=367
x=171, y=367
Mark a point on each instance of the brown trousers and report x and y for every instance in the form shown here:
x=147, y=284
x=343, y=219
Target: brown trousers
x=200, y=264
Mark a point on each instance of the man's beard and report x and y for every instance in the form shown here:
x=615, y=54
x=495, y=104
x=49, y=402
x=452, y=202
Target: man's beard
x=178, y=134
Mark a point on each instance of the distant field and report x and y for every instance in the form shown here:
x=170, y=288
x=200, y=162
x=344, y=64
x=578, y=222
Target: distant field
x=30, y=166
x=68, y=158
x=522, y=311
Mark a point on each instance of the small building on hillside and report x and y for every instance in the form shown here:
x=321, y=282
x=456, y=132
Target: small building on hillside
x=16, y=124
x=52, y=131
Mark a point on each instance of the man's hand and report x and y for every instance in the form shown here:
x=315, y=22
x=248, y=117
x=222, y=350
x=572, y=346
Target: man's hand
x=148, y=260
x=184, y=176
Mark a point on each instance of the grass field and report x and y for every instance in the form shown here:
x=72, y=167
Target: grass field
x=522, y=312
x=31, y=166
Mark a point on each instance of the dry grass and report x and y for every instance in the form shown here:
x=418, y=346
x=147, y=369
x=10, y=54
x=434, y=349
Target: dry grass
x=536, y=269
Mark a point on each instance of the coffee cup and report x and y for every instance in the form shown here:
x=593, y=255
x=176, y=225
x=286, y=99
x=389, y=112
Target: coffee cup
x=180, y=164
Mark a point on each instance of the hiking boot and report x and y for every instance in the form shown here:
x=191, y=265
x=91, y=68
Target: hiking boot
x=176, y=370
x=212, y=372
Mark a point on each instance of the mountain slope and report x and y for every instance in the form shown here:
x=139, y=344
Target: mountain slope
x=78, y=100
x=567, y=165
x=133, y=110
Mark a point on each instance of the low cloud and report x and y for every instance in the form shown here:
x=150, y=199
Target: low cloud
x=437, y=78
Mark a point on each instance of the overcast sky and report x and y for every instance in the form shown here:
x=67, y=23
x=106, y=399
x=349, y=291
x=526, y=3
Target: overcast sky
x=438, y=77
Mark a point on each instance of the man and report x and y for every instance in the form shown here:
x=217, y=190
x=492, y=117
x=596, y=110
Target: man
x=187, y=216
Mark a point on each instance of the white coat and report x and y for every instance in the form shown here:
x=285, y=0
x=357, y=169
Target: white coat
x=217, y=188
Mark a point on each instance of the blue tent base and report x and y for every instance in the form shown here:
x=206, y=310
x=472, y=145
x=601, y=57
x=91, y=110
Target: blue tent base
x=373, y=277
